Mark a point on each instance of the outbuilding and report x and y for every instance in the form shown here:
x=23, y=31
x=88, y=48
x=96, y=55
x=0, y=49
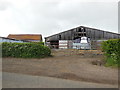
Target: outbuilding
x=4, y=39
x=27, y=37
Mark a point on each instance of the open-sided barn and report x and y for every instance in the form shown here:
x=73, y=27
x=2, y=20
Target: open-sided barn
x=78, y=32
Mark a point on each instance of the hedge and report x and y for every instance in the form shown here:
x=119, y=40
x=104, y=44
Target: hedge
x=111, y=49
x=25, y=50
x=41, y=43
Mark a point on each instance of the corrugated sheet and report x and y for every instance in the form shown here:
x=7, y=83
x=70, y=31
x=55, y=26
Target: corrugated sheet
x=75, y=33
x=26, y=36
x=4, y=39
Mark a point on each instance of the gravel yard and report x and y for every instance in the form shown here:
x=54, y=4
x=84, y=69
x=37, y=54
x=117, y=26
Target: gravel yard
x=64, y=64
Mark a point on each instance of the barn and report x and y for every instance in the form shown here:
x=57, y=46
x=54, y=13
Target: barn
x=95, y=36
x=27, y=37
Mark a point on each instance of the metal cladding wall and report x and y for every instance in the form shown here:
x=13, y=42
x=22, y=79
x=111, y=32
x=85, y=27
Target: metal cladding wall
x=93, y=34
x=3, y=39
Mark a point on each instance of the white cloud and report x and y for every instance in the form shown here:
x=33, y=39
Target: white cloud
x=48, y=17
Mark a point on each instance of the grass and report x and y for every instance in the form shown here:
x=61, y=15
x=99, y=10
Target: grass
x=111, y=63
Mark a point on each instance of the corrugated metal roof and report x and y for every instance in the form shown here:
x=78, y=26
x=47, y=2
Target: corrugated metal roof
x=79, y=27
x=13, y=39
x=26, y=36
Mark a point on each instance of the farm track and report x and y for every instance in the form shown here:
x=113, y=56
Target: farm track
x=67, y=64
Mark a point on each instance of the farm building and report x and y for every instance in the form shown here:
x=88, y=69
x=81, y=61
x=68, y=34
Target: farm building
x=28, y=37
x=4, y=39
x=93, y=35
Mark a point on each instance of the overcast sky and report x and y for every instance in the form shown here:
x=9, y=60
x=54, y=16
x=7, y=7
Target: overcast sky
x=48, y=17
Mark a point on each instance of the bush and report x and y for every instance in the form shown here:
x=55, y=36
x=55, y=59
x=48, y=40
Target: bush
x=111, y=49
x=41, y=43
x=25, y=50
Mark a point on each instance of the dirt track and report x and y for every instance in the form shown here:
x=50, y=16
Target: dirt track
x=66, y=65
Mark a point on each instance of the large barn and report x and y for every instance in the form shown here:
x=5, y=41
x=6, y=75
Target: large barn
x=78, y=32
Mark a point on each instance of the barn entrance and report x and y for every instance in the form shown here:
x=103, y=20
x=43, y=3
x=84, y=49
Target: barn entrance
x=54, y=44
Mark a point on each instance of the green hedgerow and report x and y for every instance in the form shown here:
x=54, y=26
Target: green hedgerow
x=25, y=50
x=111, y=50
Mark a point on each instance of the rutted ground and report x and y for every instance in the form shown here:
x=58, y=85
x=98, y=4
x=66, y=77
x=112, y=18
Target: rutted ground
x=65, y=64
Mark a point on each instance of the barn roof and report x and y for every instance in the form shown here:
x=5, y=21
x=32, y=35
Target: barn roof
x=83, y=27
x=12, y=39
x=26, y=36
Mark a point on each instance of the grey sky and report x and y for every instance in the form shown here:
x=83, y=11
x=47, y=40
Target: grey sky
x=50, y=17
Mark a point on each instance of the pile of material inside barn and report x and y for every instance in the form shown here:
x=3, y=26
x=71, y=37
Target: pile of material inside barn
x=82, y=43
x=65, y=44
